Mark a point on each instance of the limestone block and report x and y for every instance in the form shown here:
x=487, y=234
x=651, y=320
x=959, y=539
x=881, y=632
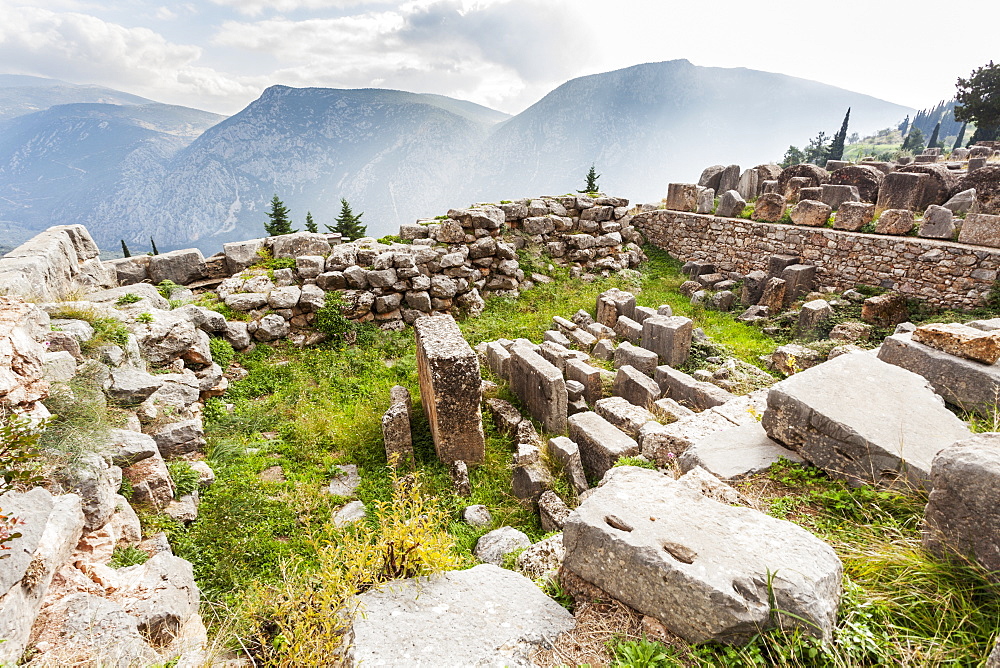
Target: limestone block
x=769, y=207
x=886, y=310
x=960, y=340
x=711, y=177
x=299, y=243
x=685, y=390
x=706, y=569
x=811, y=213
x=970, y=385
x=241, y=254
x=706, y=200
x=669, y=337
x=567, y=454
x=635, y=387
x=813, y=314
x=614, y=303
x=901, y=190
x=682, y=196
x=623, y=414
x=396, y=433
x=800, y=280
x=773, y=296
x=730, y=204
x=825, y=415
x=640, y=358
x=852, y=216
x=981, y=229
x=734, y=453
x=180, y=266
x=450, y=619
x=601, y=443
x=627, y=328
x=895, y=221
x=450, y=388
x=961, y=202
x=963, y=512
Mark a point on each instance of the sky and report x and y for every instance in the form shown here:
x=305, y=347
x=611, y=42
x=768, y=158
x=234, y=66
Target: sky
x=219, y=55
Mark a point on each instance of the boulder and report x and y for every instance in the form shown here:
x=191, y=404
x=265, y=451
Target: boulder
x=895, y=221
x=731, y=204
x=477, y=516
x=981, y=229
x=961, y=202
x=172, y=336
x=852, y=216
x=812, y=315
x=97, y=484
x=450, y=389
x=241, y=254
x=963, y=512
x=126, y=447
x=492, y=547
x=271, y=328
x=734, y=453
x=815, y=176
x=132, y=386
x=811, y=213
x=826, y=415
x=769, y=207
x=299, y=243
x=542, y=560
x=707, y=570
x=938, y=223
x=451, y=620
x=711, y=177
x=865, y=178
x=161, y=595
x=835, y=195
x=180, y=266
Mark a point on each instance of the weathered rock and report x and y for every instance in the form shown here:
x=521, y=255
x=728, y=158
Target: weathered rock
x=351, y=513
x=567, y=454
x=811, y=213
x=530, y=479
x=396, y=433
x=540, y=387
x=969, y=385
x=941, y=183
x=812, y=315
x=684, y=389
x=961, y=202
x=150, y=480
x=895, y=221
x=22, y=381
x=179, y=438
x=477, y=516
x=902, y=190
x=731, y=204
x=981, y=229
x=734, y=453
x=886, y=310
x=960, y=340
x=51, y=529
x=450, y=388
x=493, y=546
x=299, y=243
x=601, y=443
x=852, y=216
x=450, y=620
x=962, y=517
x=705, y=569
x=346, y=482
x=588, y=376
x=669, y=337
x=126, y=447
x=769, y=207
x=938, y=223
x=825, y=414
x=865, y=178
x=97, y=484
x=170, y=337
x=642, y=359
x=241, y=254
x=626, y=416
x=543, y=559
x=132, y=386
x=682, y=196
x=180, y=266
x=773, y=296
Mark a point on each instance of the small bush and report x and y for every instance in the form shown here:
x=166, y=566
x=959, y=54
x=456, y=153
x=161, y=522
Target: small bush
x=166, y=288
x=392, y=239
x=635, y=461
x=184, y=477
x=127, y=556
x=127, y=298
x=339, y=329
x=144, y=318
x=641, y=654
x=268, y=261
x=869, y=228
x=222, y=351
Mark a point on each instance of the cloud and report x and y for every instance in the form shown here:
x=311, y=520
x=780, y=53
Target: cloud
x=86, y=49
x=497, y=52
x=165, y=14
x=258, y=7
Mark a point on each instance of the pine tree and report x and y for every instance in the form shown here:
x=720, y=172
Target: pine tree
x=836, y=150
x=278, y=217
x=591, y=186
x=979, y=102
x=914, y=141
x=310, y=223
x=961, y=136
x=125, y=250
x=933, y=143
x=348, y=224
x=153, y=244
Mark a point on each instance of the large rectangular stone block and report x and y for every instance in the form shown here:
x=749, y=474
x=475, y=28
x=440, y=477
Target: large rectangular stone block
x=682, y=196
x=600, y=442
x=587, y=375
x=901, y=190
x=669, y=337
x=540, y=387
x=862, y=420
x=450, y=389
x=636, y=387
x=685, y=390
x=981, y=229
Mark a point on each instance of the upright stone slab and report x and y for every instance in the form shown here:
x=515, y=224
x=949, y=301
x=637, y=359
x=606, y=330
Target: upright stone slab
x=862, y=420
x=450, y=383
x=669, y=337
x=901, y=190
x=600, y=442
x=731, y=204
x=800, y=280
x=938, y=223
x=396, y=433
x=981, y=229
x=682, y=196
x=963, y=512
x=729, y=179
x=707, y=570
x=614, y=303
x=540, y=386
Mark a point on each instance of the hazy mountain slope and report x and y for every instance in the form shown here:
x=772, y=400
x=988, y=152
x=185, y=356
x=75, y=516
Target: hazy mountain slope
x=21, y=95
x=393, y=155
x=647, y=125
x=57, y=166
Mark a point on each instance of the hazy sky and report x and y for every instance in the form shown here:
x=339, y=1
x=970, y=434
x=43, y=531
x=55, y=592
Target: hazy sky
x=220, y=54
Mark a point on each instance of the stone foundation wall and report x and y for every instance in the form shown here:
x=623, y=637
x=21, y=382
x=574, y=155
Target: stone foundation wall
x=944, y=273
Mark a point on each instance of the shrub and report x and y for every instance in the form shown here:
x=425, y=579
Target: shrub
x=166, y=288
x=339, y=329
x=635, y=461
x=222, y=351
x=19, y=454
x=144, y=318
x=127, y=298
x=641, y=654
x=392, y=239
x=184, y=477
x=128, y=555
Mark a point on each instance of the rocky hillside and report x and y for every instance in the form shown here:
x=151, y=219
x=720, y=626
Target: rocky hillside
x=20, y=95
x=64, y=163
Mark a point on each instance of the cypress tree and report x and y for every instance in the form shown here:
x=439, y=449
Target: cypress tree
x=153, y=244
x=125, y=251
x=904, y=126
x=961, y=136
x=836, y=150
x=933, y=143
x=348, y=224
x=310, y=223
x=279, y=222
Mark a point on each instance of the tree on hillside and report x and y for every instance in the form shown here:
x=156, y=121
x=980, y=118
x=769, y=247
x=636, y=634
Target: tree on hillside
x=310, y=223
x=933, y=142
x=591, y=186
x=836, y=150
x=904, y=126
x=816, y=150
x=914, y=141
x=961, y=136
x=278, y=221
x=125, y=250
x=980, y=102
x=793, y=156
x=348, y=224
x=153, y=244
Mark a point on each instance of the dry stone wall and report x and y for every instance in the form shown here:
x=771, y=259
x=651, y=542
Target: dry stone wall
x=944, y=273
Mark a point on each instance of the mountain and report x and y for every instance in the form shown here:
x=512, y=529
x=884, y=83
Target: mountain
x=61, y=164
x=651, y=124
x=394, y=155
x=20, y=95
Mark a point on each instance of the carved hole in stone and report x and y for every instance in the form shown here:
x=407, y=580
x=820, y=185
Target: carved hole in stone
x=681, y=553
x=617, y=523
